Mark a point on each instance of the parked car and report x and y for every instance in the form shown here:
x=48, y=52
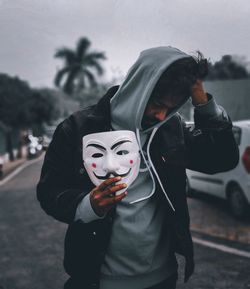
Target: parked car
x=34, y=147
x=234, y=185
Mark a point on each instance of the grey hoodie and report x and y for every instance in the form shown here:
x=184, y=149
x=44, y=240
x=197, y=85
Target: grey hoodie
x=129, y=102
x=139, y=254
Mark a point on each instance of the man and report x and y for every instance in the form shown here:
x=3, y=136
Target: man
x=129, y=240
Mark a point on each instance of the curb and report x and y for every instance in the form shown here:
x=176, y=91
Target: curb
x=19, y=169
x=221, y=244
x=222, y=248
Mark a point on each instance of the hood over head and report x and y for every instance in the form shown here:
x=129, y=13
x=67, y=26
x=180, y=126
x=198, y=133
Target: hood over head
x=129, y=102
x=128, y=105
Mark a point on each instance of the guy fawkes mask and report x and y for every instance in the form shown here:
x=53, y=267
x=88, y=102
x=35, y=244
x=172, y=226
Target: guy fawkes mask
x=110, y=154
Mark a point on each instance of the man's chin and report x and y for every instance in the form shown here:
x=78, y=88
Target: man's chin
x=147, y=124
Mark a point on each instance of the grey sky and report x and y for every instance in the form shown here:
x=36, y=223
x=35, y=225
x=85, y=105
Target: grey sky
x=32, y=30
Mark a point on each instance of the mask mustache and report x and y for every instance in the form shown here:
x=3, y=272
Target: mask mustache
x=109, y=175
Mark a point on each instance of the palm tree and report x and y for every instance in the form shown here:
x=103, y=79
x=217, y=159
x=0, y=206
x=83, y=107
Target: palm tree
x=79, y=66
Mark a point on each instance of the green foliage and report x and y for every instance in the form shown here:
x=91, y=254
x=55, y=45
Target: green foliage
x=91, y=95
x=44, y=106
x=13, y=96
x=23, y=107
x=81, y=67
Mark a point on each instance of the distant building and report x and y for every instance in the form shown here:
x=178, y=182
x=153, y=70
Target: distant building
x=233, y=95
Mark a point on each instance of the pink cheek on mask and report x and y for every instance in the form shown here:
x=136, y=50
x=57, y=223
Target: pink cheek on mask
x=131, y=162
x=94, y=165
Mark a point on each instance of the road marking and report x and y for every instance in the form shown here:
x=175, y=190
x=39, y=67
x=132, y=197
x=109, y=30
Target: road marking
x=19, y=169
x=221, y=247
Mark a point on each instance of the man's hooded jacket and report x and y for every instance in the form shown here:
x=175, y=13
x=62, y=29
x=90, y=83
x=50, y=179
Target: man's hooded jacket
x=171, y=148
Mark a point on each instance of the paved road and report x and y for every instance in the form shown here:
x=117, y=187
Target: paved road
x=218, y=270
x=31, y=242
x=211, y=215
x=32, y=245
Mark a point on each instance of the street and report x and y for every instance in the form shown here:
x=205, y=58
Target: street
x=31, y=242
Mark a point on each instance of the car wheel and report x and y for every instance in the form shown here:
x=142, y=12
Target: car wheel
x=237, y=202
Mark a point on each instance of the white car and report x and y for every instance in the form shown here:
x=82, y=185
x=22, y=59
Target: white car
x=234, y=185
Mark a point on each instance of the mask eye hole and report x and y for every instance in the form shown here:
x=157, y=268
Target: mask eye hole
x=122, y=152
x=97, y=155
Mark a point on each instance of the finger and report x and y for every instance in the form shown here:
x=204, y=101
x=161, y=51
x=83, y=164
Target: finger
x=110, y=203
x=112, y=189
x=108, y=182
x=113, y=200
x=121, y=196
x=98, y=195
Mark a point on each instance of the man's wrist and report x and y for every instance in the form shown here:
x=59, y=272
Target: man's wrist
x=200, y=99
x=85, y=211
x=209, y=109
x=198, y=94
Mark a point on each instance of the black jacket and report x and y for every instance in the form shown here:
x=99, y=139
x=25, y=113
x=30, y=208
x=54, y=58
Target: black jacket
x=210, y=148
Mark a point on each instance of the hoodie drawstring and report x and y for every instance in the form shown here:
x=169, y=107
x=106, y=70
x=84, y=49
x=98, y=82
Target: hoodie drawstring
x=152, y=177
x=157, y=176
x=153, y=168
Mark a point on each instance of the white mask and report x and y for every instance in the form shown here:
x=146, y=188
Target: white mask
x=110, y=154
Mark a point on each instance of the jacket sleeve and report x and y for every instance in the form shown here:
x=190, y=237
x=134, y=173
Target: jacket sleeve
x=85, y=211
x=55, y=190
x=210, y=146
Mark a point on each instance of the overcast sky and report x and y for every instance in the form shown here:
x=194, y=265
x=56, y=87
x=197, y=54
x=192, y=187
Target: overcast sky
x=32, y=30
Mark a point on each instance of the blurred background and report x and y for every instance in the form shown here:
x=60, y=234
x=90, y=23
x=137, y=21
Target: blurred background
x=59, y=56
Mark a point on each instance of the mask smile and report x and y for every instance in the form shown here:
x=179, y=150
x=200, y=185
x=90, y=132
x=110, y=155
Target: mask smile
x=109, y=175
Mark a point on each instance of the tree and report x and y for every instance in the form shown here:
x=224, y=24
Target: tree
x=13, y=95
x=22, y=107
x=79, y=67
x=229, y=67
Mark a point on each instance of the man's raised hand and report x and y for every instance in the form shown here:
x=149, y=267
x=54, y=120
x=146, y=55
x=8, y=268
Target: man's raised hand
x=198, y=94
x=103, y=198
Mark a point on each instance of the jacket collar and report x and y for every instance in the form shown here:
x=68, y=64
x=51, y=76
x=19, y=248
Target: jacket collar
x=96, y=117
x=102, y=108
